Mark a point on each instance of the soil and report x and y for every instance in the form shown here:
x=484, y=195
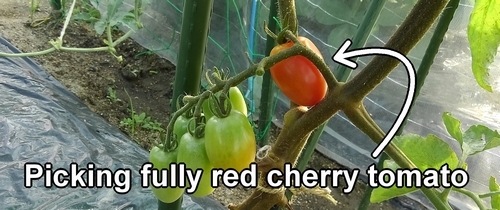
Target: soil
x=146, y=78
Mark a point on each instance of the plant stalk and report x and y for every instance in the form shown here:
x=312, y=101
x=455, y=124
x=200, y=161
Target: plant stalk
x=268, y=91
x=288, y=16
x=411, y=31
x=194, y=36
x=193, y=43
x=473, y=196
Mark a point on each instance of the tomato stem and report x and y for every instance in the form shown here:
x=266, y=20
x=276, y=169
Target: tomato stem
x=269, y=32
x=411, y=31
x=288, y=16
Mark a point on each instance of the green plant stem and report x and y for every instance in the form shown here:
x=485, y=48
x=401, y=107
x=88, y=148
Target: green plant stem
x=43, y=52
x=288, y=16
x=307, y=152
x=403, y=40
x=194, y=35
x=358, y=115
x=343, y=74
x=490, y=194
x=365, y=201
x=69, y=49
x=57, y=44
x=66, y=22
x=416, y=24
x=435, y=42
x=268, y=91
x=473, y=196
x=175, y=205
x=32, y=9
x=193, y=43
x=138, y=13
x=108, y=34
x=428, y=60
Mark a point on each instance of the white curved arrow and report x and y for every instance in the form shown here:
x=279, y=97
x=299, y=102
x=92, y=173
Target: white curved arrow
x=341, y=57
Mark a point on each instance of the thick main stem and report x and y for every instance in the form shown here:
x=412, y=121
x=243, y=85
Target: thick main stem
x=411, y=31
x=194, y=36
x=288, y=16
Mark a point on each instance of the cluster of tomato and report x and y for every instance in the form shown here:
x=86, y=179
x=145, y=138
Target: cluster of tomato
x=228, y=142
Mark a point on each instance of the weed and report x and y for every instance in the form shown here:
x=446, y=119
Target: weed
x=139, y=120
x=136, y=72
x=112, y=95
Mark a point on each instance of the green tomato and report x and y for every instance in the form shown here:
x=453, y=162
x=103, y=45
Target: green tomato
x=230, y=141
x=181, y=126
x=192, y=153
x=206, y=109
x=237, y=102
x=162, y=160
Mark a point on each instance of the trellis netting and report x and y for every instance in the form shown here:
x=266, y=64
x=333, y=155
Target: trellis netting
x=237, y=27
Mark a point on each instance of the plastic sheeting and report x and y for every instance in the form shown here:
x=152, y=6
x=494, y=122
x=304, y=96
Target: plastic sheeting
x=40, y=122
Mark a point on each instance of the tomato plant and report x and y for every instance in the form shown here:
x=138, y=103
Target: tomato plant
x=237, y=102
x=192, y=153
x=297, y=77
x=230, y=141
x=161, y=160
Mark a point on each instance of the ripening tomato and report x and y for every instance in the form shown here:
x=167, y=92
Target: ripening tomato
x=237, y=102
x=230, y=141
x=161, y=160
x=297, y=77
x=192, y=153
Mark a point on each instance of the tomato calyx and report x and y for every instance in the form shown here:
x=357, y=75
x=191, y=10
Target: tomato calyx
x=219, y=104
x=281, y=37
x=167, y=146
x=197, y=129
x=179, y=103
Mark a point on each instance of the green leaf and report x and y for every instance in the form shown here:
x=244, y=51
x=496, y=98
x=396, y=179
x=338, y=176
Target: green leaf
x=100, y=26
x=453, y=127
x=479, y=138
x=426, y=153
x=113, y=7
x=81, y=16
x=495, y=200
x=119, y=17
x=484, y=38
x=129, y=21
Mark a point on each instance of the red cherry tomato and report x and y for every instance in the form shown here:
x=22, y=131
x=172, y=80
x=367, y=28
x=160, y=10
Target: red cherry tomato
x=297, y=77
